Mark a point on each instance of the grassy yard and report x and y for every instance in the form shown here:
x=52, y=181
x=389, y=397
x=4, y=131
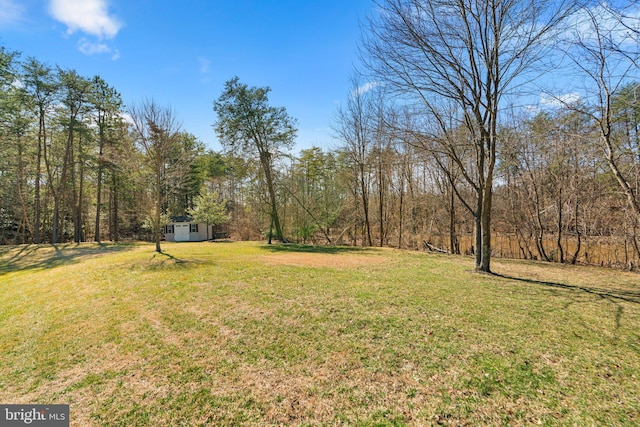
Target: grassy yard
x=248, y=334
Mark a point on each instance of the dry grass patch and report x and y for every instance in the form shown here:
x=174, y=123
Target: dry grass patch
x=325, y=257
x=326, y=261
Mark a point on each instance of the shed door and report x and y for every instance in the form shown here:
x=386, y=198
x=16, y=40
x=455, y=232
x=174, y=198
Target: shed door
x=182, y=232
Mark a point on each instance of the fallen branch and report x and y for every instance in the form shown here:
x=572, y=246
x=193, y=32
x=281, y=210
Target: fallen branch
x=433, y=248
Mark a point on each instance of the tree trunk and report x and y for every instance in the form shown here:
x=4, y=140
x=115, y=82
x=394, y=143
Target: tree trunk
x=96, y=234
x=74, y=201
x=485, y=224
x=479, y=217
x=274, y=214
x=266, y=164
x=574, y=259
x=56, y=219
x=381, y=202
x=113, y=226
x=38, y=210
x=78, y=219
x=365, y=205
x=157, y=213
x=23, y=205
x=453, y=241
x=477, y=250
x=486, y=189
x=80, y=216
x=59, y=193
x=54, y=193
x=559, y=226
x=401, y=211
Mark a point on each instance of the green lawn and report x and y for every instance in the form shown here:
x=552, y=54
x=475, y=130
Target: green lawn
x=250, y=334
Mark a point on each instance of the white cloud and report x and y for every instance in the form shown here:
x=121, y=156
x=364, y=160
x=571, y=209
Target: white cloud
x=558, y=101
x=88, y=16
x=89, y=48
x=367, y=87
x=10, y=12
x=128, y=118
x=613, y=26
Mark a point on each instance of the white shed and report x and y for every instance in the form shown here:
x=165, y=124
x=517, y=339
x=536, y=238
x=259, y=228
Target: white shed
x=184, y=229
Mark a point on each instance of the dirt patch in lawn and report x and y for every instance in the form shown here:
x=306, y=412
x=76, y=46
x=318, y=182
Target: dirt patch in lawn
x=325, y=260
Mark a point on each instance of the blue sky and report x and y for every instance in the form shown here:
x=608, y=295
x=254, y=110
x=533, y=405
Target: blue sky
x=180, y=53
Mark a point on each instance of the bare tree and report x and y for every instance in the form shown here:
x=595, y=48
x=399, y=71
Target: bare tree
x=355, y=128
x=467, y=54
x=157, y=133
x=604, y=49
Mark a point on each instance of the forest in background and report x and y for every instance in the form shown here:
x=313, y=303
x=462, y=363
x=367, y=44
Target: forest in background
x=407, y=167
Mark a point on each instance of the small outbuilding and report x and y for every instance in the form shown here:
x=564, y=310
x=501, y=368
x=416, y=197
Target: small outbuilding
x=185, y=229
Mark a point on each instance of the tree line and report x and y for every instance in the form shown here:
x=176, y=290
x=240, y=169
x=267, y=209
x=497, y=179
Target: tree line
x=75, y=165
x=437, y=146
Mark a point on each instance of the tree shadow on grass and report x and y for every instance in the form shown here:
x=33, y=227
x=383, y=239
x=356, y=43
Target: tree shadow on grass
x=32, y=257
x=315, y=249
x=165, y=261
x=627, y=295
x=615, y=296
